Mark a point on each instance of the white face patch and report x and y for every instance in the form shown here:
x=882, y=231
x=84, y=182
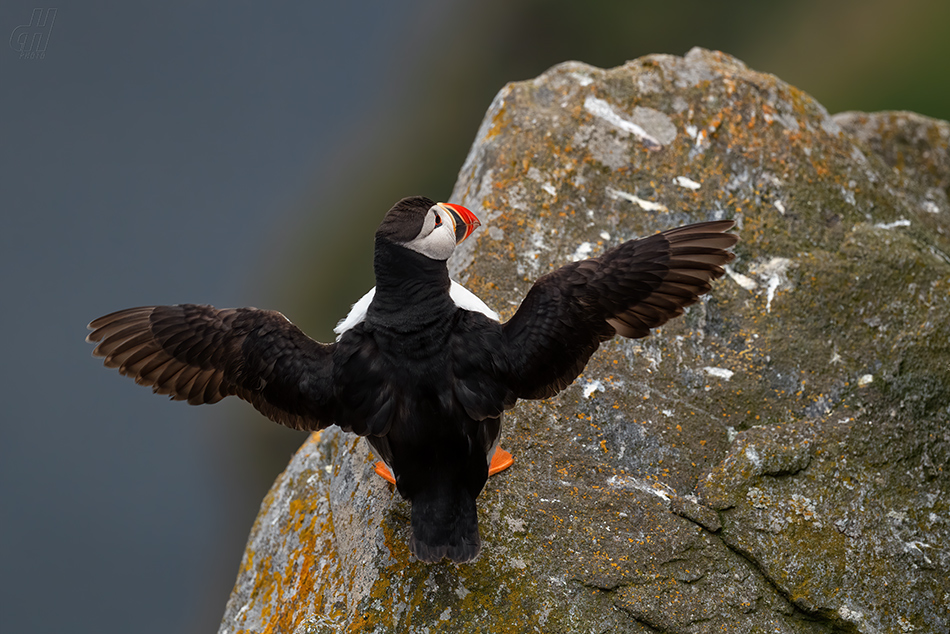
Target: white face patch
x=436, y=240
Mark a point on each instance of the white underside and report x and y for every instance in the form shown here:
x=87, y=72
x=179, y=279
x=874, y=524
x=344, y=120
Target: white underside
x=461, y=296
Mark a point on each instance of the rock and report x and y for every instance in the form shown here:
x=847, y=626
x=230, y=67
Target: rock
x=775, y=460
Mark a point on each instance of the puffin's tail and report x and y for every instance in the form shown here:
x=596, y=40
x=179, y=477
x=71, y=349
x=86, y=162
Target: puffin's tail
x=444, y=524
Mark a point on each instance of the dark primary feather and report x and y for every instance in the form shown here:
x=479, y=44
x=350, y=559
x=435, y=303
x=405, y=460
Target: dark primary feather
x=629, y=289
x=445, y=524
x=479, y=366
x=201, y=354
x=370, y=391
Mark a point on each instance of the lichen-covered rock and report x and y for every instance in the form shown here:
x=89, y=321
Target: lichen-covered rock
x=774, y=461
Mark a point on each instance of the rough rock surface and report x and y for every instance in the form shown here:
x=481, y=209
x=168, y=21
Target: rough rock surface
x=774, y=461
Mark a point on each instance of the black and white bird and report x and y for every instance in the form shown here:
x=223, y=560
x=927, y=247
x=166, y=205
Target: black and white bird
x=422, y=368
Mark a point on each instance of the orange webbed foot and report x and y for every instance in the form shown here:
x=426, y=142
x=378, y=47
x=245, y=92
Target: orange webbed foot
x=383, y=471
x=500, y=461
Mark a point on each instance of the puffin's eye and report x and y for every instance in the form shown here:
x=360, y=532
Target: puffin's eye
x=438, y=220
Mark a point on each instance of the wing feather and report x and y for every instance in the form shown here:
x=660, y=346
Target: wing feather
x=200, y=354
x=628, y=290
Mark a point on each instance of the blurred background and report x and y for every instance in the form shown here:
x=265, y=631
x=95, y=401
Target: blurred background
x=242, y=154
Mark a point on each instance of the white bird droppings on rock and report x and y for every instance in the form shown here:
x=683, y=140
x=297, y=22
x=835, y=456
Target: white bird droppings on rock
x=583, y=80
x=582, y=252
x=774, y=272
x=753, y=456
x=592, y=387
x=646, y=205
x=903, y=222
x=658, y=489
x=744, y=281
x=721, y=373
x=603, y=110
x=688, y=183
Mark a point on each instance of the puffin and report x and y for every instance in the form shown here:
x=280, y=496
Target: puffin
x=421, y=368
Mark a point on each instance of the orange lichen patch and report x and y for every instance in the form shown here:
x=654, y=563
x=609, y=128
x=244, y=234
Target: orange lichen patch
x=499, y=121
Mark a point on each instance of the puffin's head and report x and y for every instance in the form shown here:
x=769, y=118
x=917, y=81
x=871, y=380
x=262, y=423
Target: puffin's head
x=427, y=227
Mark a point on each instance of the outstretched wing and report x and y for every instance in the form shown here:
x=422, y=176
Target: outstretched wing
x=628, y=290
x=201, y=354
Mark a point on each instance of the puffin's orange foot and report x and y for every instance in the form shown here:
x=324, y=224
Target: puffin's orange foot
x=383, y=471
x=500, y=461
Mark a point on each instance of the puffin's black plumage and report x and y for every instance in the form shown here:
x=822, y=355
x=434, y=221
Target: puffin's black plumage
x=425, y=381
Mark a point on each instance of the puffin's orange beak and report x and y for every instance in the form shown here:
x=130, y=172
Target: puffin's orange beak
x=465, y=221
